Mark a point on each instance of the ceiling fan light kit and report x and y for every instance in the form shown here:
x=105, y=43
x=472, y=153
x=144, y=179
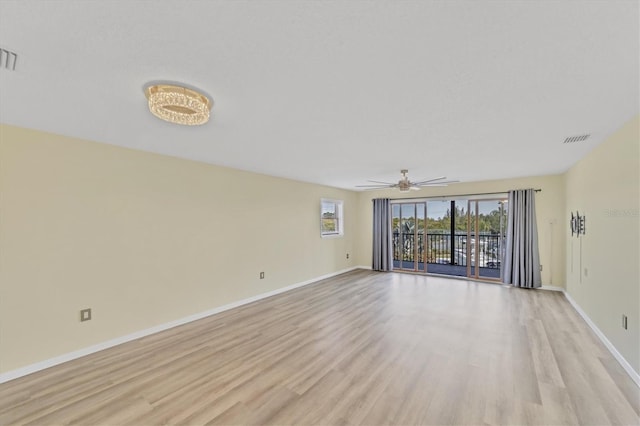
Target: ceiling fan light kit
x=405, y=185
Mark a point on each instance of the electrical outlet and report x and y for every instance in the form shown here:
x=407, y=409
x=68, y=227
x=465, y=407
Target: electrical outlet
x=85, y=315
x=624, y=321
x=347, y=255
x=586, y=272
x=262, y=275
x=541, y=267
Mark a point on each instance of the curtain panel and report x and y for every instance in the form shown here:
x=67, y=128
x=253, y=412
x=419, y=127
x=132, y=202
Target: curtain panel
x=382, y=246
x=522, y=258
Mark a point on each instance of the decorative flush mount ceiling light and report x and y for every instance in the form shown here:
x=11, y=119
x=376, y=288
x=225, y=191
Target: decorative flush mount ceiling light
x=178, y=105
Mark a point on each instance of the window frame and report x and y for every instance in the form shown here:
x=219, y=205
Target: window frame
x=339, y=206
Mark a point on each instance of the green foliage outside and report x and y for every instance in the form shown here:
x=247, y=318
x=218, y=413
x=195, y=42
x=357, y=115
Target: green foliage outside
x=329, y=222
x=487, y=223
x=328, y=225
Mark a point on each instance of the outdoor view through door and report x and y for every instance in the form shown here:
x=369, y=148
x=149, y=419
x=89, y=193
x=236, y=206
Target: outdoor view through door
x=460, y=237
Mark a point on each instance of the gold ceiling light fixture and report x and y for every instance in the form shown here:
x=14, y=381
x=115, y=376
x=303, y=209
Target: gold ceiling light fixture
x=177, y=104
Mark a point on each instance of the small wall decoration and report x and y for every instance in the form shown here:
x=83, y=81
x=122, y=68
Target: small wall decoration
x=577, y=224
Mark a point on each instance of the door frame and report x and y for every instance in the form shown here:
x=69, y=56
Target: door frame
x=474, y=255
x=469, y=198
x=416, y=259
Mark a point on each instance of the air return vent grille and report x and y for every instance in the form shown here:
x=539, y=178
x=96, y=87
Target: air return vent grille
x=573, y=139
x=8, y=60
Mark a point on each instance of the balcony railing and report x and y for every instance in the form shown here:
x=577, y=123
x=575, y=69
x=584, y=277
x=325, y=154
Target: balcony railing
x=442, y=249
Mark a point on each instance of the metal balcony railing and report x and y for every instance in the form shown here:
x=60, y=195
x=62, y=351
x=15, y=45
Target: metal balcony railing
x=443, y=249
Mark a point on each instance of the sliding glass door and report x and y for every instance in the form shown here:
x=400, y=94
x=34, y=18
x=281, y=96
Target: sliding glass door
x=446, y=236
x=408, y=226
x=459, y=237
x=487, y=233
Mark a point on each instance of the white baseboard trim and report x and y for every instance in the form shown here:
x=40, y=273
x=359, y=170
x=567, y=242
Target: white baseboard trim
x=623, y=362
x=32, y=368
x=364, y=267
x=552, y=288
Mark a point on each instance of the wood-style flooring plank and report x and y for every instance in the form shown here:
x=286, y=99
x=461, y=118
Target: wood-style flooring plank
x=362, y=348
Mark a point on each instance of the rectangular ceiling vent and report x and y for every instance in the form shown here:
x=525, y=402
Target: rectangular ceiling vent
x=573, y=139
x=8, y=60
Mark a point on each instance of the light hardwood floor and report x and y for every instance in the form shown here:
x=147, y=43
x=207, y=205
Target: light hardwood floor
x=361, y=348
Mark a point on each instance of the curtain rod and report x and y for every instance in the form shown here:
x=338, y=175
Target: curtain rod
x=457, y=195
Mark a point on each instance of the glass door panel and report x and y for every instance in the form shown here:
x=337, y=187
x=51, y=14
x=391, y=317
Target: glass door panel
x=420, y=237
x=460, y=236
x=439, y=257
x=488, y=223
x=408, y=236
x=407, y=228
x=491, y=231
x=395, y=236
x=447, y=228
x=470, y=243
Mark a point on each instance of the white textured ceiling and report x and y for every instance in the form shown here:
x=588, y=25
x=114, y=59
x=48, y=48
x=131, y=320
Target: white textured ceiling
x=333, y=92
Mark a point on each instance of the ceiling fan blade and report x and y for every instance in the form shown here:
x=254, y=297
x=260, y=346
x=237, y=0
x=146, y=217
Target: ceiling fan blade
x=413, y=186
x=444, y=182
x=377, y=181
x=376, y=188
x=429, y=180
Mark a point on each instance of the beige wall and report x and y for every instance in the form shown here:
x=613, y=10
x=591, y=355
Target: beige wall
x=549, y=212
x=604, y=187
x=145, y=239
x=142, y=239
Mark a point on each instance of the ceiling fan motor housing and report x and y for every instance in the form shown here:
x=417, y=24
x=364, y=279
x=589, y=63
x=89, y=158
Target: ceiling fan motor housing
x=404, y=185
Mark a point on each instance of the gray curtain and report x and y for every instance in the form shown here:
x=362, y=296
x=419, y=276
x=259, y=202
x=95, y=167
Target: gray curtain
x=522, y=258
x=382, y=252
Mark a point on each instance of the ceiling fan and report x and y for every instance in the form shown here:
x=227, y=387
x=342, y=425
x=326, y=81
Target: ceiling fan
x=405, y=185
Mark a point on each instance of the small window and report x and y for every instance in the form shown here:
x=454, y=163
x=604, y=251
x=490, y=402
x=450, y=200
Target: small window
x=331, y=221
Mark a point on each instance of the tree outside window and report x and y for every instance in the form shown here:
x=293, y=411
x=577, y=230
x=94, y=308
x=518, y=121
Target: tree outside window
x=331, y=220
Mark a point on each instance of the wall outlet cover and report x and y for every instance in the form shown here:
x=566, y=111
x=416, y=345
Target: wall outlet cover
x=85, y=315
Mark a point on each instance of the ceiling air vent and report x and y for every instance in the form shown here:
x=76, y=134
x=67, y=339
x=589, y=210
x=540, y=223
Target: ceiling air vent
x=573, y=139
x=8, y=60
